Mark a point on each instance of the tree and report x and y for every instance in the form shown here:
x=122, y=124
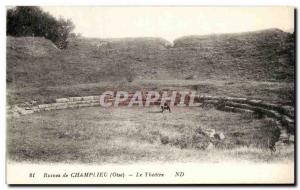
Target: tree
x=65, y=27
x=33, y=21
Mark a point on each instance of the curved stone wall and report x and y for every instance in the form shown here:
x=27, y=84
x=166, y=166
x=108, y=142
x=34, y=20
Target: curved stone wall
x=283, y=114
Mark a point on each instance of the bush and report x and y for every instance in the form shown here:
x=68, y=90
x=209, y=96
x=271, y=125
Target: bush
x=32, y=21
x=164, y=140
x=269, y=134
x=271, y=128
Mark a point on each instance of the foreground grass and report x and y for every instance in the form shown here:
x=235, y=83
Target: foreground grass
x=125, y=135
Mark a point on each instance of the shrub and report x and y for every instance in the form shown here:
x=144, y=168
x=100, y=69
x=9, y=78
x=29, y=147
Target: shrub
x=164, y=139
x=270, y=133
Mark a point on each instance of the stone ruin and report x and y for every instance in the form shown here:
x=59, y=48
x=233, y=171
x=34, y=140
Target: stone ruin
x=284, y=115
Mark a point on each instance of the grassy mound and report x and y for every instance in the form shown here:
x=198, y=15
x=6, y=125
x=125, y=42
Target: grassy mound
x=37, y=70
x=263, y=56
x=24, y=47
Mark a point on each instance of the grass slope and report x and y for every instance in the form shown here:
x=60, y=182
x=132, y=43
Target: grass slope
x=263, y=56
x=38, y=70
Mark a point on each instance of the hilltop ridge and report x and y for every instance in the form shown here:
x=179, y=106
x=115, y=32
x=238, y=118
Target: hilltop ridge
x=266, y=55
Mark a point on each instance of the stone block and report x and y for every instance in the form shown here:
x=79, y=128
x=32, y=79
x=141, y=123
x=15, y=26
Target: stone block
x=49, y=108
x=62, y=100
x=36, y=109
x=88, y=98
x=42, y=106
x=96, y=98
x=25, y=112
x=74, y=99
x=83, y=105
x=59, y=104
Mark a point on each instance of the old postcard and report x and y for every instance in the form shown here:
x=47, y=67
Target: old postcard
x=150, y=95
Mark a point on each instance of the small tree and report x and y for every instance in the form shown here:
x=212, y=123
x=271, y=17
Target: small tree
x=65, y=27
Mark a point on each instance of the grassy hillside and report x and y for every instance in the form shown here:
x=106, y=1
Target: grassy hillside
x=35, y=64
x=263, y=55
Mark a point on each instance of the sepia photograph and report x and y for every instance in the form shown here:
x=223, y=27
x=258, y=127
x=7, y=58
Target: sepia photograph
x=150, y=95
